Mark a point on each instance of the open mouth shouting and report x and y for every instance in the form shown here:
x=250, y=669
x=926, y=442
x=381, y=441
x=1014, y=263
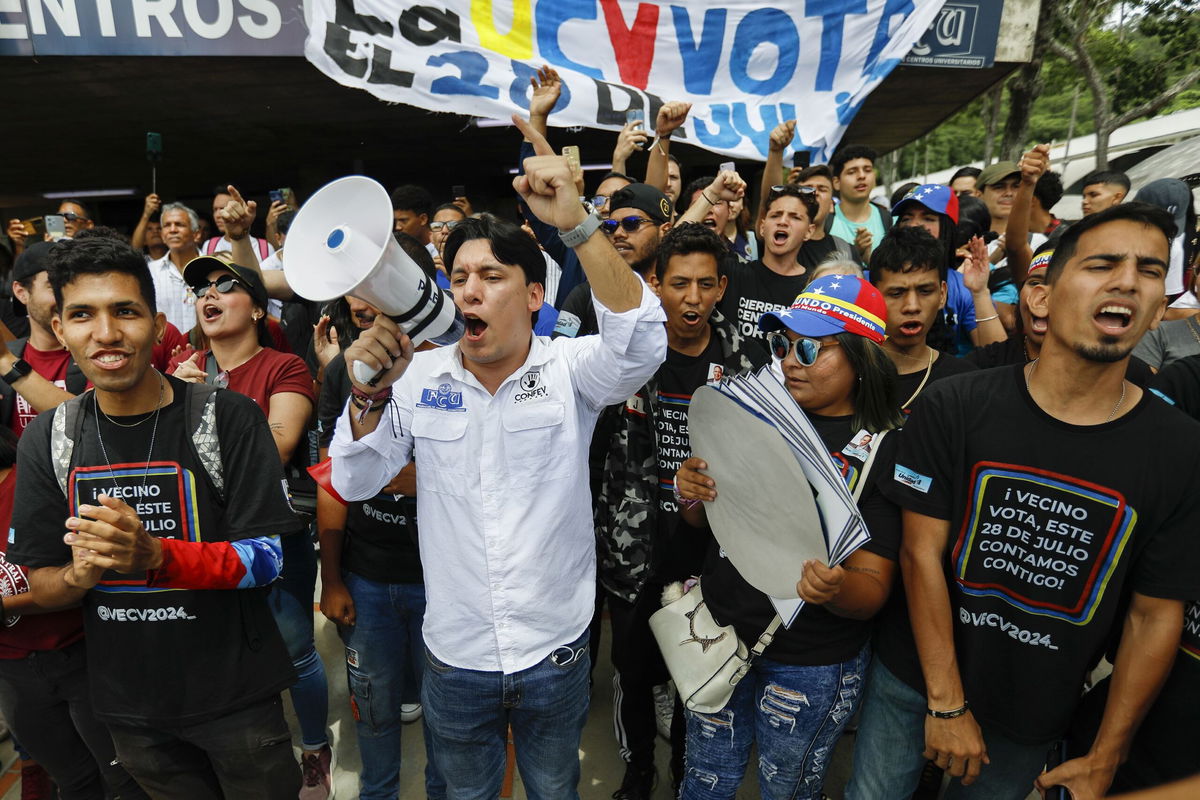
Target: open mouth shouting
x=1037, y=324
x=1114, y=317
x=912, y=327
x=475, y=328
x=210, y=311
x=692, y=318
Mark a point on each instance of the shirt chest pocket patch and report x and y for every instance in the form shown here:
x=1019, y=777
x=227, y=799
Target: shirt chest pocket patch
x=438, y=439
x=534, y=432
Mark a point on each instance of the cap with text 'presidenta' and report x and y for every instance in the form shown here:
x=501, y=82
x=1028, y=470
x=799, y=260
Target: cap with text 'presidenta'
x=830, y=305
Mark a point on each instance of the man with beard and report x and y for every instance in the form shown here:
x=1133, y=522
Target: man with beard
x=1028, y=537
x=772, y=282
x=640, y=216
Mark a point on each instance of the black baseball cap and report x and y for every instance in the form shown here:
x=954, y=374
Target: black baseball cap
x=196, y=271
x=643, y=197
x=34, y=259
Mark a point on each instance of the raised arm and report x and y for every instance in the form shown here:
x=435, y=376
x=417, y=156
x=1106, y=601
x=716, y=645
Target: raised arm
x=547, y=87
x=238, y=216
x=781, y=137
x=1016, y=235
x=975, y=271
x=956, y=744
x=727, y=186
x=632, y=138
x=149, y=209
x=670, y=117
x=548, y=188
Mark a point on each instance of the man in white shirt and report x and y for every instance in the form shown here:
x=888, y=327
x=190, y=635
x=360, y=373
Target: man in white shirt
x=503, y=421
x=172, y=294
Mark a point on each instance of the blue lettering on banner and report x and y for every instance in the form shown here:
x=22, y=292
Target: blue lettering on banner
x=441, y=399
x=700, y=59
x=913, y=479
x=765, y=26
x=549, y=18
x=833, y=15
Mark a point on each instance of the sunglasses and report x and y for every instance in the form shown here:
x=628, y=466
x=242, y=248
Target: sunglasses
x=806, y=349
x=599, y=201
x=629, y=224
x=71, y=216
x=450, y=225
x=792, y=187
x=223, y=285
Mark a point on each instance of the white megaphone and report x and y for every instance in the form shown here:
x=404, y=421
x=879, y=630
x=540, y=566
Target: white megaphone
x=341, y=243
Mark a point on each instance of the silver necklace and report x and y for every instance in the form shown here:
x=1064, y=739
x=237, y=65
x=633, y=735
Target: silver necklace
x=1111, y=414
x=143, y=419
x=153, y=431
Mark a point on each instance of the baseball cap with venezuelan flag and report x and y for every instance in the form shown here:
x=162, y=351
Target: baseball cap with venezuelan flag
x=830, y=305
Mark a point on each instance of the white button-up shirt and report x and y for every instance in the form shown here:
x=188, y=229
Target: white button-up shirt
x=172, y=295
x=507, y=545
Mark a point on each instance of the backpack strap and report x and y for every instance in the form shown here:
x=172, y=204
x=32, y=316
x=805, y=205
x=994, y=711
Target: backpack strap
x=211, y=370
x=200, y=410
x=65, y=428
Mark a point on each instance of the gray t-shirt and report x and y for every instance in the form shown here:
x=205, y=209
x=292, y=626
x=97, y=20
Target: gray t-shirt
x=1170, y=341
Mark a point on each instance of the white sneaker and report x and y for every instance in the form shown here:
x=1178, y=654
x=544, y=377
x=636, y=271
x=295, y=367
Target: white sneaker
x=664, y=708
x=410, y=712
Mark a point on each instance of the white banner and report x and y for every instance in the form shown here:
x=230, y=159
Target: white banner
x=744, y=65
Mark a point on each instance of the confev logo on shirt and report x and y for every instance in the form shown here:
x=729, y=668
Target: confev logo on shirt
x=442, y=399
x=1042, y=542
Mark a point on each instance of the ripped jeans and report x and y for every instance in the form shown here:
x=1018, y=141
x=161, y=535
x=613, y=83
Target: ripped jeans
x=794, y=713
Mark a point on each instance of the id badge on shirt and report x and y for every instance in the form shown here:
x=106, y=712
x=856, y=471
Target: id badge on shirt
x=859, y=446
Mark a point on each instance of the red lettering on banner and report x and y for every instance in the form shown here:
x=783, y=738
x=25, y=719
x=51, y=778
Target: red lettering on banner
x=634, y=46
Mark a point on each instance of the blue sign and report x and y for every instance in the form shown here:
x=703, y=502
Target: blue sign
x=963, y=35
x=152, y=28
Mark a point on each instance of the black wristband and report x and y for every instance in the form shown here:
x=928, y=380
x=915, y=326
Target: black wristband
x=958, y=712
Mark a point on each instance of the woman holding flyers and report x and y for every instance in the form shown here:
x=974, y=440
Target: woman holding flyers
x=798, y=696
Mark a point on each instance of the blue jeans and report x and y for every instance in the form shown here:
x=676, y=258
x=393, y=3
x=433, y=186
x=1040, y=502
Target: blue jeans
x=890, y=742
x=291, y=602
x=468, y=714
x=383, y=647
x=796, y=715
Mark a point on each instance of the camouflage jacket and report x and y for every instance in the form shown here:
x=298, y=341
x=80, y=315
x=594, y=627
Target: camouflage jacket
x=626, y=499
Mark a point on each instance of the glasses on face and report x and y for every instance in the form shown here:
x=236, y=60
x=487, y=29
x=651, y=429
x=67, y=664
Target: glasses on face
x=806, y=349
x=224, y=285
x=71, y=216
x=599, y=202
x=628, y=224
x=792, y=186
x=450, y=225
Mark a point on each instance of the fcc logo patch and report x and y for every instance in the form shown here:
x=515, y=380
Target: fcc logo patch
x=441, y=398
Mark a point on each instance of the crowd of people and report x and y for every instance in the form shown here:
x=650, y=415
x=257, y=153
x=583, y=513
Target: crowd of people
x=1006, y=394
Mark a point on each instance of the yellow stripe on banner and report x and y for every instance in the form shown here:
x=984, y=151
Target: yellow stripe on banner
x=853, y=309
x=518, y=42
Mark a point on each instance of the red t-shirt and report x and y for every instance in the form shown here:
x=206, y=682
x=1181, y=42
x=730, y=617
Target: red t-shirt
x=172, y=338
x=268, y=372
x=51, y=365
x=19, y=636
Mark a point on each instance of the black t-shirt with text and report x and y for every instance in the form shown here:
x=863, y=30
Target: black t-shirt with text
x=754, y=289
x=165, y=656
x=1012, y=351
x=943, y=367
x=381, y=533
x=678, y=378
x=1051, y=526
x=817, y=636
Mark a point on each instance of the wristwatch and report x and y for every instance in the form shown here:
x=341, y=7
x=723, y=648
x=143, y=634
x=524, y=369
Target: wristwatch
x=20, y=369
x=581, y=232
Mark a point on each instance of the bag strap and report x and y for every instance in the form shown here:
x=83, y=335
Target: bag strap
x=765, y=639
x=65, y=428
x=210, y=368
x=200, y=410
x=866, y=470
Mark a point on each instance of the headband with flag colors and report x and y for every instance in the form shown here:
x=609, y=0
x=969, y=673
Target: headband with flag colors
x=1041, y=260
x=830, y=305
x=937, y=197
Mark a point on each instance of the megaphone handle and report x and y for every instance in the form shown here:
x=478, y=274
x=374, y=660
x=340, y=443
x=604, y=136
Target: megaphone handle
x=363, y=373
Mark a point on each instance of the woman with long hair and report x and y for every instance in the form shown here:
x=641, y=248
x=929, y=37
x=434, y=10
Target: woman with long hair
x=799, y=694
x=231, y=312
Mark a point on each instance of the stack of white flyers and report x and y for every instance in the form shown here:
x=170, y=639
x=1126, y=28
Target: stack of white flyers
x=723, y=437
